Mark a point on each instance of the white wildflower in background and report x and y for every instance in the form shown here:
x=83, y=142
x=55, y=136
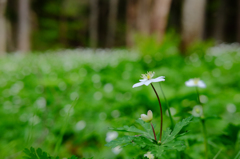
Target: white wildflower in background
x=197, y=111
x=172, y=110
x=149, y=155
x=116, y=150
x=195, y=82
x=111, y=136
x=231, y=108
x=148, y=117
x=147, y=79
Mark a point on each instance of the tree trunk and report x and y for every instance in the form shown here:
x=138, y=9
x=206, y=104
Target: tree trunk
x=23, y=41
x=143, y=16
x=112, y=19
x=193, y=13
x=131, y=21
x=93, y=28
x=159, y=18
x=238, y=22
x=3, y=37
x=220, y=22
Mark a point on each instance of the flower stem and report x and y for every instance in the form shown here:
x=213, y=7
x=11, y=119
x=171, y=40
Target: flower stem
x=161, y=123
x=203, y=127
x=154, y=132
x=170, y=115
x=205, y=138
x=198, y=95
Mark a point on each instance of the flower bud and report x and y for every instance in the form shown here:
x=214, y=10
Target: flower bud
x=147, y=118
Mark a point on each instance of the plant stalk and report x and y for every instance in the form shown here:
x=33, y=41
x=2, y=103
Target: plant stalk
x=205, y=138
x=169, y=112
x=161, y=123
x=154, y=132
x=203, y=127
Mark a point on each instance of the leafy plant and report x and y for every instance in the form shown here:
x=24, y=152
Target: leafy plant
x=40, y=154
x=145, y=139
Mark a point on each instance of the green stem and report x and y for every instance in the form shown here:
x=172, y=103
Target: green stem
x=198, y=95
x=205, y=138
x=161, y=123
x=154, y=132
x=203, y=126
x=169, y=112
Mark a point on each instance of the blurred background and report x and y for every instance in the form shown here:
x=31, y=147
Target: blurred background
x=54, y=52
x=31, y=25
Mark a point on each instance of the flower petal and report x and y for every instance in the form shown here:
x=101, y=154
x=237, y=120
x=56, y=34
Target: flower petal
x=143, y=80
x=145, y=118
x=138, y=84
x=190, y=83
x=201, y=84
x=148, y=82
x=150, y=114
x=159, y=79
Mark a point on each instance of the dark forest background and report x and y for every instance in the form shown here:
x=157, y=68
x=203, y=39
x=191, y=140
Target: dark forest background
x=42, y=24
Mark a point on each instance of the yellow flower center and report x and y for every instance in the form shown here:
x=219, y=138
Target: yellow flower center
x=198, y=110
x=196, y=80
x=148, y=75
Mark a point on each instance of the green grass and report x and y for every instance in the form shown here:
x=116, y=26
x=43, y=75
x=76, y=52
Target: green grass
x=37, y=92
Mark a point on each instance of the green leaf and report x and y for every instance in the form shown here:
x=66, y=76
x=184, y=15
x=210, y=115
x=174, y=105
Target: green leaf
x=133, y=129
x=73, y=157
x=177, y=145
x=140, y=141
x=41, y=154
x=120, y=141
x=168, y=137
x=37, y=154
x=147, y=127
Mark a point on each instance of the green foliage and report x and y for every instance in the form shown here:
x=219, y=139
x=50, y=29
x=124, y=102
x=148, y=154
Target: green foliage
x=145, y=139
x=36, y=92
x=39, y=154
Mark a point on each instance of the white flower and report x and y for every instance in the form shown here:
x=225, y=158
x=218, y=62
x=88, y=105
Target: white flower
x=111, y=136
x=147, y=79
x=195, y=82
x=148, y=117
x=117, y=150
x=149, y=155
x=197, y=111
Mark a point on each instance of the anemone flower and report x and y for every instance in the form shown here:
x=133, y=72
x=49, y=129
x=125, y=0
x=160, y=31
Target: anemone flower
x=195, y=82
x=148, y=78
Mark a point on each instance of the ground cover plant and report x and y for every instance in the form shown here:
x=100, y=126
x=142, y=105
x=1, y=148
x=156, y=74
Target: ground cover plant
x=39, y=107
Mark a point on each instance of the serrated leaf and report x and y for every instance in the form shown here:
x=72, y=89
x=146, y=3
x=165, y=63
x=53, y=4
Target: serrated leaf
x=147, y=127
x=120, y=141
x=132, y=129
x=41, y=154
x=171, y=136
x=177, y=145
x=157, y=151
x=31, y=154
x=140, y=141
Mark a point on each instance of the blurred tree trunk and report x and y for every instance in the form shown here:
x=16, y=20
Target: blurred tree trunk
x=112, y=19
x=220, y=22
x=193, y=13
x=238, y=22
x=143, y=16
x=23, y=41
x=132, y=6
x=159, y=18
x=3, y=38
x=93, y=28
